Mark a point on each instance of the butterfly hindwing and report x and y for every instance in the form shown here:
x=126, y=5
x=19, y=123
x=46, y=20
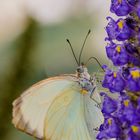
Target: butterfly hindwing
x=66, y=117
x=93, y=115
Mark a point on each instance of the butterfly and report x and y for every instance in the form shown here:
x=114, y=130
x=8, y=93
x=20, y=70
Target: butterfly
x=64, y=107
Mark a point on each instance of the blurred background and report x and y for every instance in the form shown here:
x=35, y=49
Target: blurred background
x=33, y=46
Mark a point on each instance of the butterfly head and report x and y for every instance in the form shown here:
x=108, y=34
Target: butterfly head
x=81, y=68
x=82, y=71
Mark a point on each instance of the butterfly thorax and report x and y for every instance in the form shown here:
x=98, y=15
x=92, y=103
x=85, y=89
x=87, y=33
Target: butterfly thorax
x=85, y=80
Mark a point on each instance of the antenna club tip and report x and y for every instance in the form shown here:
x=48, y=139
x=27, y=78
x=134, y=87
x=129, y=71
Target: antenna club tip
x=89, y=31
x=67, y=40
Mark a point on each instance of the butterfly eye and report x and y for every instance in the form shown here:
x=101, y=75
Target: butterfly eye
x=80, y=70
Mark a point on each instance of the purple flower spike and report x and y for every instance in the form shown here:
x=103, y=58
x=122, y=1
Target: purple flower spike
x=110, y=129
x=134, y=132
x=109, y=105
x=118, y=54
x=138, y=12
x=120, y=7
x=113, y=81
x=132, y=2
x=131, y=23
x=118, y=30
x=123, y=30
x=111, y=28
x=133, y=81
x=122, y=115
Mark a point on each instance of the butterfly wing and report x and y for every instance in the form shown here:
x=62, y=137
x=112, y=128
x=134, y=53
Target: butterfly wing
x=52, y=110
x=93, y=115
x=30, y=109
x=65, y=119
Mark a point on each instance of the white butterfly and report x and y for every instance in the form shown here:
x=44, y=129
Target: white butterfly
x=60, y=108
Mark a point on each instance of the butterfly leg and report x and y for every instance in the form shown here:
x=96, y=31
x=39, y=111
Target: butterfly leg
x=91, y=96
x=96, y=129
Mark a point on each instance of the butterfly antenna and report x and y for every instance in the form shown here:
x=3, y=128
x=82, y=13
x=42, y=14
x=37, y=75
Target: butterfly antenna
x=96, y=61
x=83, y=46
x=72, y=51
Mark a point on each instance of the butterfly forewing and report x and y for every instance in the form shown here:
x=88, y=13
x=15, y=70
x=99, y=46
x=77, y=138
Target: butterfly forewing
x=30, y=109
